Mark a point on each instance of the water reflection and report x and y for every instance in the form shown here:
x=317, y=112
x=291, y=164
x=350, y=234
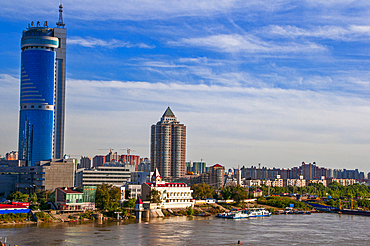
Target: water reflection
x=283, y=229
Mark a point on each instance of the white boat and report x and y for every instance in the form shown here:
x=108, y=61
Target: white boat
x=242, y=214
x=258, y=212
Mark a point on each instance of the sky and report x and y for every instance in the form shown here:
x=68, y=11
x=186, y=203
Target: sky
x=271, y=82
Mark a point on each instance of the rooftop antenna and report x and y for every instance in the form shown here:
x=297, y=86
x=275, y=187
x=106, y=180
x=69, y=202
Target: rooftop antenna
x=60, y=21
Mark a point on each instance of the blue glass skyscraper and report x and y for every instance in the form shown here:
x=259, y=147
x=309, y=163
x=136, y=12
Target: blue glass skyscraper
x=42, y=92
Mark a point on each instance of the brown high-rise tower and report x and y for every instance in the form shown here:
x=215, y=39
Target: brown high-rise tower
x=168, y=146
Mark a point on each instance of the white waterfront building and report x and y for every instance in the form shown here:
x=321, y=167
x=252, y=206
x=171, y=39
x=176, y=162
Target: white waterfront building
x=172, y=195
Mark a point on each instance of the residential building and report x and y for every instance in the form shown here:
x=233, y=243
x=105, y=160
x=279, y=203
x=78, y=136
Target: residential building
x=199, y=167
x=278, y=182
x=112, y=156
x=98, y=160
x=42, y=92
x=217, y=176
x=172, y=195
x=317, y=181
x=214, y=177
x=344, y=182
x=12, y=156
x=257, y=193
x=131, y=159
x=144, y=165
x=85, y=162
x=168, y=146
x=251, y=182
x=294, y=182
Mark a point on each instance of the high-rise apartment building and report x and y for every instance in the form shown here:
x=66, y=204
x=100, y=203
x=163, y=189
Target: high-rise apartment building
x=98, y=160
x=85, y=162
x=168, y=146
x=42, y=95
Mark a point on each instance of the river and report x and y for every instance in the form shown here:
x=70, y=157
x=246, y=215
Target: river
x=326, y=228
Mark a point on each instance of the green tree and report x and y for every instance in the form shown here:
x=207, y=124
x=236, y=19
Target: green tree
x=107, y=197
x=154, y=196
x=239, y=193
x=17, y=196
x=130, y=203
x=190, y=211
x=203, y=191
x=33, y=198
x=127, y=193
x=226, y=192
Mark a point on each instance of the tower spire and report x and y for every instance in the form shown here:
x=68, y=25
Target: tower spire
x=60, y=21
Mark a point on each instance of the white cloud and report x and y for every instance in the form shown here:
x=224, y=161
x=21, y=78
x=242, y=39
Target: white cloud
x=113, y=43
x=348, y=33
x=270, y=125
x=232, y=43
x=135, y=10
x=267, y=121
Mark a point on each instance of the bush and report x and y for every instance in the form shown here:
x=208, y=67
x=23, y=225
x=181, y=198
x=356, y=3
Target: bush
x=41, y=215
x=20, y=217
x=190, y=211
x=281, y=202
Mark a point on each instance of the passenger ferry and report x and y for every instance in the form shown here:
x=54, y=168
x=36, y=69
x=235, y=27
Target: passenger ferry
x=258, y=212
x=235, y=214
x=242, y=214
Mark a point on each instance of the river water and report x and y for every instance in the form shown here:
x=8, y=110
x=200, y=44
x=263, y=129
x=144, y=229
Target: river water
x=314, y=229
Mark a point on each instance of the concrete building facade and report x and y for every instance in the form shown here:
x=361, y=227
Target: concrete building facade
x=168, y=146
x=114, y=173
x=45, y=175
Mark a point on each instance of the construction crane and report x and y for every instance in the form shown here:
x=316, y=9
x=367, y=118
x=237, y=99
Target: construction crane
x=128, y=151
x=107, y=149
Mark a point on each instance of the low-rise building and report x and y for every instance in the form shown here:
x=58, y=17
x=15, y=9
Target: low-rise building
x=344, y=182
x=172, y=195
x=318, y=181
x=72, y=199
x=134, y=189
x=294, y=182
x=45, y=175
x=214, y=177
x=114, y=173
x=257, y=193
x=274, y=183
x=134, y=186
x=68, y=199
x=251, y=182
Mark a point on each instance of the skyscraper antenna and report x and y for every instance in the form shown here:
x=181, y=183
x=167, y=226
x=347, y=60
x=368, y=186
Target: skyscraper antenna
x=60, y=21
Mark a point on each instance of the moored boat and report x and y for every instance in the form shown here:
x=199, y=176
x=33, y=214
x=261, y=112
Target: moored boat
x=15, y=209
x=258, y=212
x=236, y=214
x=355, y=212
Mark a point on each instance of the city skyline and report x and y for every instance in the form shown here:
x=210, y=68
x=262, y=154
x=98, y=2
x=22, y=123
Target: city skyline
x=257, y=82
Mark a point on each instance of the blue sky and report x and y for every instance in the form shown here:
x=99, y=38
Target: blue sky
x=270, y=82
